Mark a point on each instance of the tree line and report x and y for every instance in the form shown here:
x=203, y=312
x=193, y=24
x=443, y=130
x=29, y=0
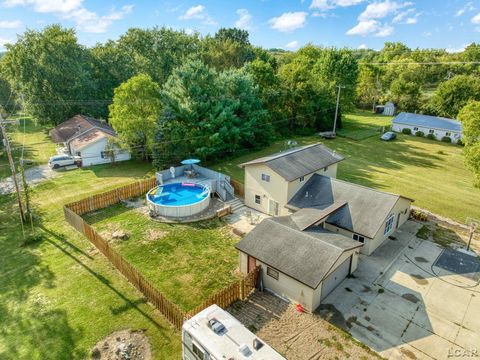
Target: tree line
x=170, y=94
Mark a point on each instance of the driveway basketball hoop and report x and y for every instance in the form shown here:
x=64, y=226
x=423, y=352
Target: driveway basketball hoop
x=473, y=225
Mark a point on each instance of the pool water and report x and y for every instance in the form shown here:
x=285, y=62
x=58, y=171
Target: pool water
x=178, y=194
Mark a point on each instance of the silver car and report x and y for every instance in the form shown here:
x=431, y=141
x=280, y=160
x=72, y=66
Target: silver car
x=389, y=135
x=57, y=161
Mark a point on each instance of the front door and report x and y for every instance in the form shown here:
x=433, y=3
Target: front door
x=251, y=263
x=272, y=207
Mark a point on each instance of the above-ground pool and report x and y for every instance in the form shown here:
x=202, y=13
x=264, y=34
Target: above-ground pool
x=178, y=199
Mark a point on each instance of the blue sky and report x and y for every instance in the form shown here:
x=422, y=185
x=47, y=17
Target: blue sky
x=288, y=24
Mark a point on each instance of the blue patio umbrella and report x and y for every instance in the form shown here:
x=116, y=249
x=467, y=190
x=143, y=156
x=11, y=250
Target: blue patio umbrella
x=190, y=162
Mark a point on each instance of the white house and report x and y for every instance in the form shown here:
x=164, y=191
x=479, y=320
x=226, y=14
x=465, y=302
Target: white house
x=438, y=126
x=215, y=334
x=88, y=138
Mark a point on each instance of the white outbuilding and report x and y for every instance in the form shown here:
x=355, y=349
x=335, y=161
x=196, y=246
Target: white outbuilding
x=438, y=126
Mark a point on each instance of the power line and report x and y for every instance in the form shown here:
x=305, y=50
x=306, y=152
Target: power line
x=422, y=63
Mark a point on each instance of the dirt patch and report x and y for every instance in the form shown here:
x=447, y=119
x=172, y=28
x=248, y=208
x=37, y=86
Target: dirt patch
x=298, y=336
x=123, y=345
x=410, y=297
x=154, y=235
x=408, y=353
x=419, y=279
x=114, y=233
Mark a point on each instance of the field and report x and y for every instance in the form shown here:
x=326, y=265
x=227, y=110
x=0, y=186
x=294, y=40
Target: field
x=30, y=138
x=431, y=172
x=59, y=296
x=187, y=262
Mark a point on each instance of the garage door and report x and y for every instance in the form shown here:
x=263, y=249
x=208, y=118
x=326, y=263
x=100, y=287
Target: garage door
x=335, y=278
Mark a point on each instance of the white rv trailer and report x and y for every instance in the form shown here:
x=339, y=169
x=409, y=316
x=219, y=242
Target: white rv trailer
x=214, y=334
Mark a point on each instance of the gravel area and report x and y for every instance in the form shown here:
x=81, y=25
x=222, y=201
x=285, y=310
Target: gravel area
x=34, y=176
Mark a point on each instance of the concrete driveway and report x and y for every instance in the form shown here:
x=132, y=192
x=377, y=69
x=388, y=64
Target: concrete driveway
x=411, y=299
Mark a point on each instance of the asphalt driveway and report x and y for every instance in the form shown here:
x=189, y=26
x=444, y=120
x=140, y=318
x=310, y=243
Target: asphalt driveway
x=33, y=175
x=412, y=299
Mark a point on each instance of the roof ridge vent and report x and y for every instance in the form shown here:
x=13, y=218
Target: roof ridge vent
x=216, y=326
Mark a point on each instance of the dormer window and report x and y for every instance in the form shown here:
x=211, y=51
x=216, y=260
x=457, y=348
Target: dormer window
x=302, y=178
x=266, y=177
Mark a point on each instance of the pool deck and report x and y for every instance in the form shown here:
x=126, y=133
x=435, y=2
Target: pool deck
x=199, y=179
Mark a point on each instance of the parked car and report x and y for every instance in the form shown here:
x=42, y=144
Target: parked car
x=389, y=135
x=57, y=161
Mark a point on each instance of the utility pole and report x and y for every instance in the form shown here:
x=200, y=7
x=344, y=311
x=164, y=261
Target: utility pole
x=6, y=143
x=473, y=228
x=340, y=87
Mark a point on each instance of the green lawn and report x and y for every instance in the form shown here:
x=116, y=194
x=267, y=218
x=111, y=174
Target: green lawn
x=362, y=124
x=58, y=297
x=38, y=146
x=431, y=172
x=187, y=262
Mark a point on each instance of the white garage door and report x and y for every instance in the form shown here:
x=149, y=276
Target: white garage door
x=335, y=278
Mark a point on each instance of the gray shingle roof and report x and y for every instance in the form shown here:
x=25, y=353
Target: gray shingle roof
x=306, y=256
x=76, y=126
x=298, y=162
x=433, y=122
x=366, y=209
x=306, y=217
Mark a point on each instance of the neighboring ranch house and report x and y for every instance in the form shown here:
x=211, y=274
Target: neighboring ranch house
x=87, y=137
x=300, y=260
x=271, y=181
x=438, y=126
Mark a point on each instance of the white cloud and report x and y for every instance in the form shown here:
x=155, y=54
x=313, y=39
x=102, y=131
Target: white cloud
x=14, y=24
x=411, y=21
x=245, y=19
x=456, y=49
x=289, y=21
x=3, y=42
x=466, y=8
x=379, y=10
x=331, y=4
x=476, y=19
x=198, y=12
x=364, y=28
x=384, y=31
x=292, y=45
x=362, y=46
x=319, y=14
x=74, y=10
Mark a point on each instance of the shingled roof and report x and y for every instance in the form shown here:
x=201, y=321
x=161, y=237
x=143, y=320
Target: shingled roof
x=79, y=124
x=295, y=163
x=365, y=210
x=306, y=256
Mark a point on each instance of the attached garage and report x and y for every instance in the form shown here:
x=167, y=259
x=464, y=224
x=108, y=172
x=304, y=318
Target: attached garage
x=336, y=277
x=300, y=265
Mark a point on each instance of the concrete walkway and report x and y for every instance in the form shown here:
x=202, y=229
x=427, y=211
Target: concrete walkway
x=243, y=219
x=405, y=305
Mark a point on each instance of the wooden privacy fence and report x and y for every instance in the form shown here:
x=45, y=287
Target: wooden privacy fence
x=238, y=187
x=176, y=316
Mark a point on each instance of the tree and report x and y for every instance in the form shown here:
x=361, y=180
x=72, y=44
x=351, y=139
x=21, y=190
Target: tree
x=134, y=113
x=369, y=88
x=233, y=34
x=452, y=95
x=52, y=70
x=470, y=118
x=208, y=114
x=405, y=94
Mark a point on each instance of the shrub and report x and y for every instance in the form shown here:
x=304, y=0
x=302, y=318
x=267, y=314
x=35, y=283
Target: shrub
x=447, y=139
x=431, y=136
x=407, y=131
x=420, y=134
x=459, y=142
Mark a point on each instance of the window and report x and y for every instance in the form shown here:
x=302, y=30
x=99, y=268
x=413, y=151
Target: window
x=448, y=133
x=415, y=128
x=198, y=351
x=79, y=153
x=302, y=178
x=266, y=177
x=257, y=199
x=359, y=238
x=102, y=154
x=272, y=273
x=389, y=224
x=431, y=131
x=325, y=169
